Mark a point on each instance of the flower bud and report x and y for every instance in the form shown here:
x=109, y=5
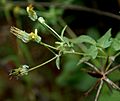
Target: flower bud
x=41, y=20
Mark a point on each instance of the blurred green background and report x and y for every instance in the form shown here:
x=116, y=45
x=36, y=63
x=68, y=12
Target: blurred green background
x=91, y=17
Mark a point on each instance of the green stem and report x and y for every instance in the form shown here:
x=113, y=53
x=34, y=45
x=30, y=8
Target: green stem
x=104, y=57
x=51, y=50
x=112, y=61
x=101, y=50
x=117, y=54
x=69, y=31
x=111, y=70
x=43, y=63
x=99, y=89
x=109, y=65
x=46, y=45
x=92, y=66
x=53, y=31
x=78, y=53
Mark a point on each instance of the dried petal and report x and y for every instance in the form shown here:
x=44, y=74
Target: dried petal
x=21, y=71
x=25, y=37
x=32, y=14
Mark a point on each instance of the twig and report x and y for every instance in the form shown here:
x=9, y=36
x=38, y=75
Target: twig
x=99, y=89
x=93, y=87
x=70, y=6
x=43, y=63
x=111, y=70
x=95, y=68
x=112, y=84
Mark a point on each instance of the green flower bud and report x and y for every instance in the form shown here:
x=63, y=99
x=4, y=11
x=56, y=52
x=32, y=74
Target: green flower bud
x=41, y=20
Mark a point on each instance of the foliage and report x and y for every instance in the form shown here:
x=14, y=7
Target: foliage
x=79, y=58
x=94, y=49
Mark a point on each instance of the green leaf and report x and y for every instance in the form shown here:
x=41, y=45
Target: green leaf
x=115, y=75
x=62, y=32
x=93, y=32
x=106, y=40
x=58, y=62
x=116, y=42
x=84, y=59
x=83, y=38
x=107, y=96
x=92, y=51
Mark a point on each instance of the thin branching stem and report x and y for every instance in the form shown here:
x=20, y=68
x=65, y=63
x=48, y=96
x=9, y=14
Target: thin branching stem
x=95, y=68
x=117, y=54
x=46, y=45
x=104, y=57
x=93, y=87
x=56, y=34
x=70, y=52
x=43, y=63
x=109, y=65
x=84, y=54
x=51, y=50
x=111, y=70
x=112, y=84
x=99, y=89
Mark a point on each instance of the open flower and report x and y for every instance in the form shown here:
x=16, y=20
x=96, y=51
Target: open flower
x=21, y=71
x=32, y=14
x=24, y=36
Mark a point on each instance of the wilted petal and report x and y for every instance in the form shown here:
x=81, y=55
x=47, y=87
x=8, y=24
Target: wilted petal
x=32, y=14
x=21, y=71
x=25, y=37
